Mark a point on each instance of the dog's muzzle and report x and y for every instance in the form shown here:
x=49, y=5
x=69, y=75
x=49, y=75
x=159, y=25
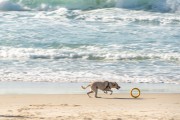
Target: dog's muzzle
x=118, y=87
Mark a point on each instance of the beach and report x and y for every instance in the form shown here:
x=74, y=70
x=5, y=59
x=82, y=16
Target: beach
x=50, y=48
x=68, y=101
x=81, y=107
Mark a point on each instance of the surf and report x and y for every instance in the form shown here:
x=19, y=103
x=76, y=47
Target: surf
x=76, y=53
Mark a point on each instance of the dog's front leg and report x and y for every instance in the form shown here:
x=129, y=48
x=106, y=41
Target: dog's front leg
x=110, y=91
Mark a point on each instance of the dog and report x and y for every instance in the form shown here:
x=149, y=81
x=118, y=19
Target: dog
x=104, y=86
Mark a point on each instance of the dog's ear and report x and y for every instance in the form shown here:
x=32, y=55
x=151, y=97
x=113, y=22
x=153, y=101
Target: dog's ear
x=113, y=84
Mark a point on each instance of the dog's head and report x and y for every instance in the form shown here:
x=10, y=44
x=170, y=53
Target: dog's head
x=115, y=85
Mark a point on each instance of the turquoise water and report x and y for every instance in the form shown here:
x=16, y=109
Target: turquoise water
x=133, y=41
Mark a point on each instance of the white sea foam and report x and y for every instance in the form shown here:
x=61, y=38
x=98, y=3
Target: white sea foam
x=120, y=16
x=84, y=52
x=40, y=74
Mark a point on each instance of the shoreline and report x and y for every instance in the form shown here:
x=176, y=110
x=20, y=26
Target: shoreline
x=81, y=107
x=75, y=88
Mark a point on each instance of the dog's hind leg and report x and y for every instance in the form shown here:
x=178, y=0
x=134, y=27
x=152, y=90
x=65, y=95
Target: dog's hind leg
x=89, y=93
x=96, y=93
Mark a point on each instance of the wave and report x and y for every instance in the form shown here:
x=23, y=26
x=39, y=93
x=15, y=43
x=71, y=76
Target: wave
x=85, y=53
x=81, y=76
x=152, y=5
x=10, y=6
x=124, y=17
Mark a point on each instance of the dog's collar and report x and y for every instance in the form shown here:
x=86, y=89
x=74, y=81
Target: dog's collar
x=107, y=86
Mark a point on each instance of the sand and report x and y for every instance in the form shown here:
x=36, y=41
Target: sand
x=80, y=107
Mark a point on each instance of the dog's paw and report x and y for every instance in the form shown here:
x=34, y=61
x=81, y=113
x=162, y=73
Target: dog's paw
x=97, y=97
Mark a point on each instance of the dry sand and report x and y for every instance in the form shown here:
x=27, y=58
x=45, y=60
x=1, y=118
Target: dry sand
x=72, y=107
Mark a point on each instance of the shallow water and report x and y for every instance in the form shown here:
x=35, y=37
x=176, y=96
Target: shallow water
x=75, y=88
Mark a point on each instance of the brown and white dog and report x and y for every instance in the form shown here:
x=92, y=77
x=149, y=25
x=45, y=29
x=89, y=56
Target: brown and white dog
x=104, y=86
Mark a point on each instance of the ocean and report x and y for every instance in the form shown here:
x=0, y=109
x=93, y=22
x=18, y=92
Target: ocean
x=127, y=41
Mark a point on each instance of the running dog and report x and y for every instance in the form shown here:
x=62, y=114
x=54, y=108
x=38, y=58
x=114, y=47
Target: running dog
x=104, y=86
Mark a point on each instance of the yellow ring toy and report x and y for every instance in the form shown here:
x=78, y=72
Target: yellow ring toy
x=135, y=96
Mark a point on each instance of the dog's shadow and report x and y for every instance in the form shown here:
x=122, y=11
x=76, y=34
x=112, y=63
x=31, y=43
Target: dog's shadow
x=117, y=98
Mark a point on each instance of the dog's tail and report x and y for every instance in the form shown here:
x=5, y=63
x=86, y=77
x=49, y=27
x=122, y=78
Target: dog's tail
x=85, y=87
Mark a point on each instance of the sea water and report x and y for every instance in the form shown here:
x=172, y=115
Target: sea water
x=127, y=41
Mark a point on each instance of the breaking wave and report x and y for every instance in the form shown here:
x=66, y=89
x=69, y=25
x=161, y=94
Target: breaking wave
x=150, y=5
x=68, y=53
